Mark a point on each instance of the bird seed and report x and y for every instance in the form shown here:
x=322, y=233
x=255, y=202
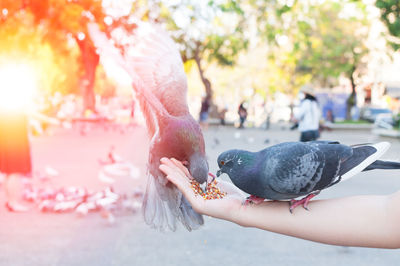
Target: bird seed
x=213, y=192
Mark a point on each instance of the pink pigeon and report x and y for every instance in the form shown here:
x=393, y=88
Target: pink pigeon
x=154, y=64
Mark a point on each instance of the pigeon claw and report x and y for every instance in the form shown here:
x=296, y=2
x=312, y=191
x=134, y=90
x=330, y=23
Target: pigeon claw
x=253, y=200
x=304, y=201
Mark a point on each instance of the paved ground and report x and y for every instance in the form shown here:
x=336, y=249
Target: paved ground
x=35, y=238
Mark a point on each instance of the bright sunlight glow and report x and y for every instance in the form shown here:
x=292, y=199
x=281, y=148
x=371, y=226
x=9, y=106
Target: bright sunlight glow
x=18, y=86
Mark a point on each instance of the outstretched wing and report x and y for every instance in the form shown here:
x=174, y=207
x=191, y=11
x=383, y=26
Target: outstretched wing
x=155, y=58
x=151, y=105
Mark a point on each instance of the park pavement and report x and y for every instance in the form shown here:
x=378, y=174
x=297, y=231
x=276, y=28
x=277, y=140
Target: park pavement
x=36, y=238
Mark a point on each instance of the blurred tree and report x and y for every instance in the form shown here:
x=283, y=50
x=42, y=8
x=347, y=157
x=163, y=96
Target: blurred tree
x=104, y=86
x=22, y=41
x=204, y=30
x=63, y=21
x=336, y=45
x=390, y=14
x=212, y=31
x=323, y=41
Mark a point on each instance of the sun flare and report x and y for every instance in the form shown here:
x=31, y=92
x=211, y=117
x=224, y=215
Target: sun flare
x=18, y=86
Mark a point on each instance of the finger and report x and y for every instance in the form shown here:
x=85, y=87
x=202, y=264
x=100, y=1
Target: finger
x=183, y=184
x=176, y=166
x=171, y=167
x=167, y=161
x=181, y=166
x=175, y=176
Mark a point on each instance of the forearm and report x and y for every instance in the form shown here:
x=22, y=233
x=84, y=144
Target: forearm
x=354, y=221
x=365, y=221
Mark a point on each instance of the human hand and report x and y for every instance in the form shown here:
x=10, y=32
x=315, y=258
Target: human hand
x=227, y=208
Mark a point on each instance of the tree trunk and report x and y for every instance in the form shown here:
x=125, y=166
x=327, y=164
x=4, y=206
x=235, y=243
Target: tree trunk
x=213, y=111
x=90, y=60
x=351, y=101
x=206, y=82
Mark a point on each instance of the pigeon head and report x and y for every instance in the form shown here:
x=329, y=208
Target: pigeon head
x=198, y=167
x=227, y=161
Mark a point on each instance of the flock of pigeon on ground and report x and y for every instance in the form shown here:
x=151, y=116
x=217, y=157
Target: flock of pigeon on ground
x=108, y=202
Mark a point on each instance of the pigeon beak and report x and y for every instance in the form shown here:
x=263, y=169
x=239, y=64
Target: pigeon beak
x=219, y=172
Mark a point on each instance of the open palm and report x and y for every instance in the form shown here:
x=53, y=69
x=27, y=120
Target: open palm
x=225, y=208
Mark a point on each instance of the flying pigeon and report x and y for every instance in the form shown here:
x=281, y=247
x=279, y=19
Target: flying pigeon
x=154, y=64
x=290, y=170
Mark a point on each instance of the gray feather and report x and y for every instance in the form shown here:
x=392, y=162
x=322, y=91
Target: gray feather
x=379, y=164
x=293, y=169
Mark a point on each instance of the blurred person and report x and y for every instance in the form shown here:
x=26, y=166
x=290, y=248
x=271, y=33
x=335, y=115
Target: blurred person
x=204, y=111
x=222, y=114
x=268, y=110
x=362, y=221
x=329, y=116
x=308, y=115
x=242, y=111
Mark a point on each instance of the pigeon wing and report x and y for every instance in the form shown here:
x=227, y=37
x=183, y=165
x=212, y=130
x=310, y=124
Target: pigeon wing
x=294, y=169
x=335, y=155
x=152, y=107
x=155, y=58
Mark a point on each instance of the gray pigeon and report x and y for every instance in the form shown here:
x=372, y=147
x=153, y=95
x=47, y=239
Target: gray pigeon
x=294, y=169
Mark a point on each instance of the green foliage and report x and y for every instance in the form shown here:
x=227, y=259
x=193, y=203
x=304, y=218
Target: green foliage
x=315, y=41
x=321, y=40
x=353, y=122
x=229, y=6
x=281, y=10
x=224, y=49
x=390, y=14
x=218, y=42
x=214, y=31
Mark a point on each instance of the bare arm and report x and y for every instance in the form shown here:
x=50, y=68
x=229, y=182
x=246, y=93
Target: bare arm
x=367, y=221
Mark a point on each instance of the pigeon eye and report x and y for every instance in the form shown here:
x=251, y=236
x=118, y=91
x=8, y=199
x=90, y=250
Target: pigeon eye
x=222, y=163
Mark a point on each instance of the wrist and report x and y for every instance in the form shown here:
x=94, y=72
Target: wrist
x=239, y=216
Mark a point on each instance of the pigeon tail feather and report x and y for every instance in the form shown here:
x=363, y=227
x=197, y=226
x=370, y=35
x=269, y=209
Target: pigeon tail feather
x=190, y=218
x=380, y=147
x=379, y=164
x=162, y=214
x=156, y=211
